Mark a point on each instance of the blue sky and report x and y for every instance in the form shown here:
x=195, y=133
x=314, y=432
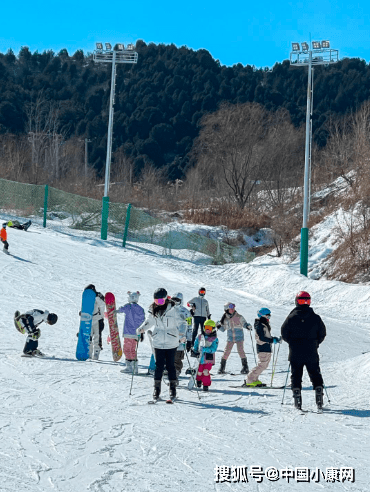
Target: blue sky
x=248, y=32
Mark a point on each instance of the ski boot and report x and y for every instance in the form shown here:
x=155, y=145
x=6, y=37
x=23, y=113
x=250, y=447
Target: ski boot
x=319, y=391
x=205, y=388
x=297, y=398
x=128, y=368
x=245, y=368
x=134, y=367
x=172, y=389
x=222, y=367
x=157, y=390
x=38, y=353
x=199, y=384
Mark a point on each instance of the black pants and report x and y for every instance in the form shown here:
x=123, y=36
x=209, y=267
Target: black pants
x=198, y=321
x=313, y=369
x=30, y=345
x=6, y=244
x=165, y=357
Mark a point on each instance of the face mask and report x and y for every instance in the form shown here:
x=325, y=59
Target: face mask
x=159, y=302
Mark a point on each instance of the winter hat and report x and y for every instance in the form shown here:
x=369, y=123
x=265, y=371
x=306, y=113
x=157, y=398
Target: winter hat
x=133, y=296
x=302, y=298
x=264, y=313
x=4, y=225
x=91, y=286
x=160, y=293
x=177, y=298
x=10, y=223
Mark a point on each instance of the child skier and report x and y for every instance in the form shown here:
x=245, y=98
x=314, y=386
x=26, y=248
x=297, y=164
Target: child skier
x=165, y=317
x=4, y=239
x=206, y=344
x=29, y=323
x=134, y=317
x=180, y=352
x=234, y=323
x=263, y=340
x=199, y=309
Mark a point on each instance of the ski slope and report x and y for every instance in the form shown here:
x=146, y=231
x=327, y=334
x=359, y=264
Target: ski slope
x=69, y=426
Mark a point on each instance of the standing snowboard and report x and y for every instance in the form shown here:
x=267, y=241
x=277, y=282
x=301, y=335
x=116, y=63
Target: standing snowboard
x=87, y=309
x=110, y=303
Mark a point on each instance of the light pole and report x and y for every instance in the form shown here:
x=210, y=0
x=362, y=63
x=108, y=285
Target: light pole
x=119, y=54
x=304, y=56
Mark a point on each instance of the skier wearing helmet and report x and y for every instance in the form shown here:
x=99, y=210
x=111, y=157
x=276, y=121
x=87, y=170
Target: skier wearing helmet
x=29, y=323
x=304, y=331
x=233, y=323
x=165, y=318
x=200, y=311
x=263, y=341
x=206, y=346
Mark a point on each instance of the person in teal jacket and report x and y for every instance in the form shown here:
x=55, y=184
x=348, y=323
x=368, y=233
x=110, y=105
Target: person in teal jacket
x=206, y=346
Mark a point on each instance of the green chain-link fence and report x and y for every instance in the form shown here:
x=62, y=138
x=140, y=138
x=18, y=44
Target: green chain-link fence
x=77, y=215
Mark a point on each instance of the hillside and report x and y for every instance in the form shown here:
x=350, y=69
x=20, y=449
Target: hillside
x=69, y=425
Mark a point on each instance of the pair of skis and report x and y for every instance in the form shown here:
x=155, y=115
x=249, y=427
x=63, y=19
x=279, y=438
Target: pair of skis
x=87, y=310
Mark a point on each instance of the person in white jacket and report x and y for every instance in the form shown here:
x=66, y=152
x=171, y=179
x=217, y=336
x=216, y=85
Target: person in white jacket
x=165, y=318
x=199, y=309
x=29, y=323
x=97, y=325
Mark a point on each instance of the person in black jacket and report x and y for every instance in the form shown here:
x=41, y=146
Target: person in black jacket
x=304, y=331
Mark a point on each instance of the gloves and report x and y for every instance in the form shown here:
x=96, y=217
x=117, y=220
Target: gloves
x=36, y=334
x=139, y=331
x=194, y=354
x=188, y=346
x=141, y=337
x=248, y=326
x=182, y=340
x=280, y=339
x=218, y=324
x=275, y=340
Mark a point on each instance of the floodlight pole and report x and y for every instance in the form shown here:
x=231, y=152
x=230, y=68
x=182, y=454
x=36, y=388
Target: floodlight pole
x=304, y=58
x=114, y=56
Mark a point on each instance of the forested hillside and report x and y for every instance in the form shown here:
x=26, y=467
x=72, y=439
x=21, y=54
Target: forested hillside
x=160, y=101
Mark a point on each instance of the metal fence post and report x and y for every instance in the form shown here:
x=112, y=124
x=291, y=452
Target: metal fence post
x=128, y=213
x=104, y=218
x=46, y=196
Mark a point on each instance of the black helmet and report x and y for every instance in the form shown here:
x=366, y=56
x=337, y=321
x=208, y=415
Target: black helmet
x=160, y=293
x=91, y=286
x=4, y=225
x=52, y=318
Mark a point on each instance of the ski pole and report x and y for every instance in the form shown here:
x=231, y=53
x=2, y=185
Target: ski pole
x=327, y=396
x=255, y=360
x=135, y=362
x=286, y=381
x=274, y=364
x=191, y=373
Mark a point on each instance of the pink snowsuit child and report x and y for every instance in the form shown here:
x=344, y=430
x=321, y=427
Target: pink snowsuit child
x=206, y=344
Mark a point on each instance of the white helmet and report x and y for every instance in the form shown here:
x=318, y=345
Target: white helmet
x=177, y=298
x=133, y=296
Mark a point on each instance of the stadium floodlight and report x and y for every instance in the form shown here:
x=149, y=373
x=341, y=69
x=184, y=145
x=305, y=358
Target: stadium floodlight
x=120, y=46
x=99, y=46
x=325, y=44
x=305, y=46
x=130, y=47
x=316, y=45
x=295, y=47
x=108, y=46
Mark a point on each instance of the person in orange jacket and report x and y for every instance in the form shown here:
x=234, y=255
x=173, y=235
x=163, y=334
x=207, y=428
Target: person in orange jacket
x=4, y=237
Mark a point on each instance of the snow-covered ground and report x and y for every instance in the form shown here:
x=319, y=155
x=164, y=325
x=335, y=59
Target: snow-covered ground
x=69, y=426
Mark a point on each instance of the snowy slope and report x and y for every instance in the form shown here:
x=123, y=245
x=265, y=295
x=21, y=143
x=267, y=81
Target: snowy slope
x=70, y=426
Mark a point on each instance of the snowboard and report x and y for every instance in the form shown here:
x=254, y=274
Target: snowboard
x=110, y=303
x=87, y=309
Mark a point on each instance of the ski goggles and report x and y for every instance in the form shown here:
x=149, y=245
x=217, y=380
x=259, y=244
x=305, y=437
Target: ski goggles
x=159, y=302
x=202, y=292
x=231, y=306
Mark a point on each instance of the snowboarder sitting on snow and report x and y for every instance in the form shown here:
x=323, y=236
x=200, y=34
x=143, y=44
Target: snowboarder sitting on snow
x=165, y=317
x=206, y=344
x=134, y=317
x=97, y=325
x=200, y=311
x=263, y=342
x=4, y=238
x=29, y=323
x=234, y=323
x=304, y=331
x=180, y=352
x=15, y=224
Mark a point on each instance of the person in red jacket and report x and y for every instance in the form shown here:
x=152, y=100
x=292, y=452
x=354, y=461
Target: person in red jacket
x=4, y=239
